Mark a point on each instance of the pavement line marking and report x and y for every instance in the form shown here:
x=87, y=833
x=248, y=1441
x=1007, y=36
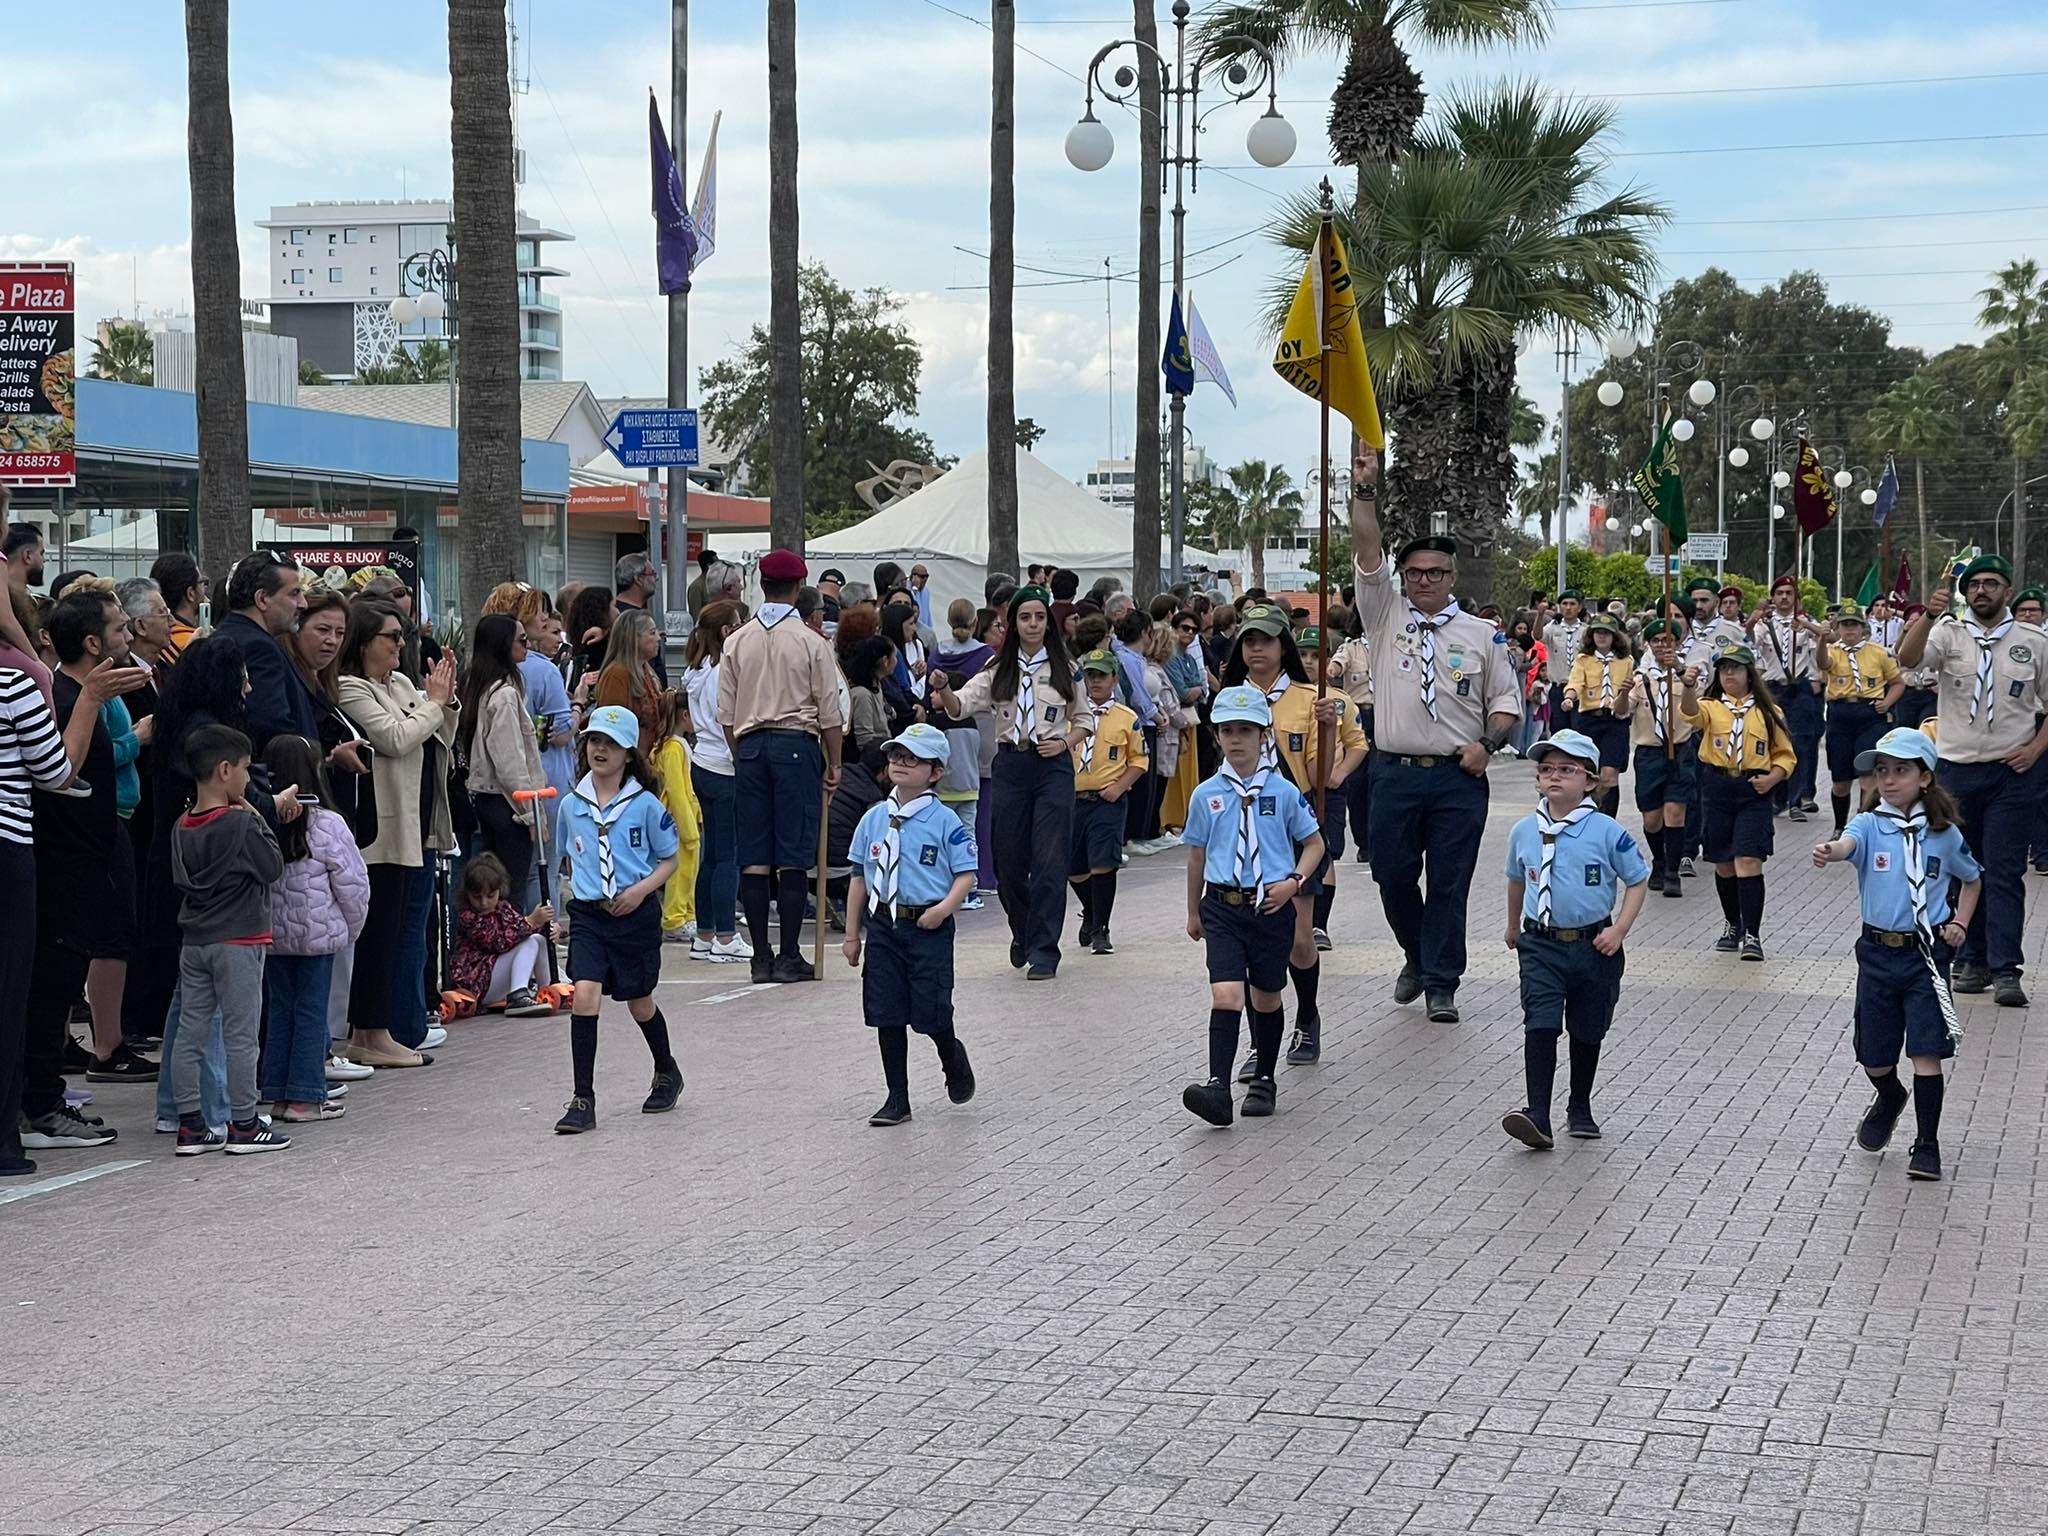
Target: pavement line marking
x=726, y=997
x=65, y=1180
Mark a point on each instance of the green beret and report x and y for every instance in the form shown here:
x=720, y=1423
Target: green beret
x=1571, y=592
x=1996, y=565
x=1428, y=545
x=2030, y=595
x=1658, y=627
x=1025, y=595
x=1702, y=584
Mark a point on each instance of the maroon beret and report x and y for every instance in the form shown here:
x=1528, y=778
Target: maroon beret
x=780, y=565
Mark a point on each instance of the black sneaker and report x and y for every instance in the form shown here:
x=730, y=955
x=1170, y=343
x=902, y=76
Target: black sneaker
x=1809, y=806
x=1249, y=1067
x=1018, y=956
x=1673, y=886
x=16, y=1167
x=194, y=1138
x=1968, y=978
x=1730, y=940
x=959, y=1075
x=1579, y=1122
x=1527, y=1129
x=1795, y=814
x=1258, y=1099
x=124, y=1066
x=661, y=1098
x=761, y=970
x=580, y=1116
x=793, y=968
x=1100, y=944
x=1752, y=947
x=1656, y=879
x=249, y=1136
x=64, y=1127
x=1443, y=1008
x=1086, y=935
x=75, y=1059
x=894, y=1111
x=2041, y=866
x=1306, y=1051
x=1685, y=867
x=1210, y=1100
x=1874, y=1133
x=2006, y=991
x=1041, y=972
x=1925, y=1163
x=1408, y=985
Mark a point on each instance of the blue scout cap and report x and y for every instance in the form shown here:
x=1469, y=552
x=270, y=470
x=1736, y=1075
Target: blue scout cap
x=615, y=721
x=1572, y=744
x=1241, y=703
x=1904, y=743
x=925, y=741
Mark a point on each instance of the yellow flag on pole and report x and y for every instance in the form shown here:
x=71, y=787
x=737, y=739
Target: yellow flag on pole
x=1299, y=358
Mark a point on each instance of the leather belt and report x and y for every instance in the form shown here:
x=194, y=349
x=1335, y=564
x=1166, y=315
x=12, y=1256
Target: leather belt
x=1562, y=935
x=1087, y=794
x=1422, y=760
x=903, y=911
x=1738, y=773
x=1234, y=895
x=1890, y=939
x=1017, y=746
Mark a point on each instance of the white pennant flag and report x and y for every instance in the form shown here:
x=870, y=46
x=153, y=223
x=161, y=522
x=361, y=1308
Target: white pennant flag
x=1208, y=362
x=704, y=206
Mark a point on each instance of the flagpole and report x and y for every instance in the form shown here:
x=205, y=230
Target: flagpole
x=1325, y=744
x=1664, y=545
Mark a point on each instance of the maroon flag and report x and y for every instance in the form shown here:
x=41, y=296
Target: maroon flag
x=1813, y=498
x=1903, y=586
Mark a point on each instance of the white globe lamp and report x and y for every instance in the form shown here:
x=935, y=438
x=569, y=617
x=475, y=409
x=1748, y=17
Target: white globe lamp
x=1270, y=143
x=1702, y=392
x=1682, y=429
x=1089, y=144
x=405, y=310
x=432, y=306
x=1776, y=512
x=1843, y=479
x=1869, y=497
x=1782, y=478
x=1762, y=429
x=1609, y=393
x=1621, y=346
x=1738, y=456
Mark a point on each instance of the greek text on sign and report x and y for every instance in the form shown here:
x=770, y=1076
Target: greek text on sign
x=653, y=439
x=38, y=417
x=1707, y=546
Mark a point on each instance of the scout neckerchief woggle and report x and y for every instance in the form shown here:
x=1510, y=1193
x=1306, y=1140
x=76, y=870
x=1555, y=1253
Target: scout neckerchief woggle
x=1912, y=827
x=1552, y=830
x=889, y=862
x=1429, y=627
x=1738, y=716
x=1088, y=741
x=1659, y=692
x=1984, y=696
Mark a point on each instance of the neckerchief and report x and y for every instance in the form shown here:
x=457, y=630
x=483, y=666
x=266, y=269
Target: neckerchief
x=1429, y=626
x=1552, y=831
x=604, y=816
x=1785, y=641
x=1738, y=716
x=1027, y=695
x=1606, y=679
x=1658, y=693
x=1984, y=696
x=1269, y=751
x=1912, y=827
x=1571, y=634
x=1088, y=741
x=1245, y=870
x=887, y=866
x=1855, y=671
x=772, y=614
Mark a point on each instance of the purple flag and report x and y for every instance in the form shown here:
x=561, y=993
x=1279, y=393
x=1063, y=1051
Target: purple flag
x=675, y=238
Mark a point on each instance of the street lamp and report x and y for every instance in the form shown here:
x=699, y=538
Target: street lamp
x=432, y=275
x=1673, y=360
x=1248, y=68
x=1844, y=478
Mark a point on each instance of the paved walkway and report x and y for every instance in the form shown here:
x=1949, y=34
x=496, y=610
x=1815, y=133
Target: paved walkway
x=1068, y=1307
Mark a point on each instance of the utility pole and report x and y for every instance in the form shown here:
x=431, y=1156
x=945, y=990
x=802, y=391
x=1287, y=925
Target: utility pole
x=678, y=540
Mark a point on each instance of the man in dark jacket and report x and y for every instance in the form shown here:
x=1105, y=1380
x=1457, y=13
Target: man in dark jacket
x=265, y=600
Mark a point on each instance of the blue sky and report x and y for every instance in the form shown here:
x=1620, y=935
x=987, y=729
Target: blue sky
x=351, y=101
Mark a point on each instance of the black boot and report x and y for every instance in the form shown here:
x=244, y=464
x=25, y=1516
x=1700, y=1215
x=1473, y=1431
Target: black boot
x=1578, y=1109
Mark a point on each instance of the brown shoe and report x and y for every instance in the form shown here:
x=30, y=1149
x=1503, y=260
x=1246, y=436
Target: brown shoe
x=398, y=1058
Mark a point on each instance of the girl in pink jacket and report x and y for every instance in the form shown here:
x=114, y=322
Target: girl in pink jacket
x=316, y=911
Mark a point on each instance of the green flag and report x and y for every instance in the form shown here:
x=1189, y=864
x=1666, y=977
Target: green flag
x=1660, y=486
x=1867, y=593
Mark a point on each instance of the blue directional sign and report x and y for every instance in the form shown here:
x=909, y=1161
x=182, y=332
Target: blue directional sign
x=653, y=439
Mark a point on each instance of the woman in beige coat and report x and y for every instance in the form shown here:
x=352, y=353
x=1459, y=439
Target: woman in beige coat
x=411, y=731
x=497, y=739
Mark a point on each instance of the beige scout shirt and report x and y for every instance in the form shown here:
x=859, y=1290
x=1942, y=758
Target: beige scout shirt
x=1562, y=643
x=1707, y=637
x=1783, y=652
x=1655, y=697
x=2018, y=691
x=1051, y=715
x=778, y=675
x=1354, y=672
x=1473, y=678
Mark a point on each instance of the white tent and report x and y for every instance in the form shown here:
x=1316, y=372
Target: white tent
x=945, y=527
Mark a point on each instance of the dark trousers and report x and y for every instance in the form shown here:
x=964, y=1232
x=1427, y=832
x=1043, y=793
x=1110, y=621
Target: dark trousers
x=1806, y=723
x=499, y=830
x=1032, y=819
x=54, y=984
x=1142, y=820
x=385, y=990
x=1433, y=815
x=1358, y=790
x=17, y=962
x=1998, y=813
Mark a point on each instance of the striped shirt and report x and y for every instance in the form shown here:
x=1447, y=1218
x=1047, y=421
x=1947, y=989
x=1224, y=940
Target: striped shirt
x=31, y=753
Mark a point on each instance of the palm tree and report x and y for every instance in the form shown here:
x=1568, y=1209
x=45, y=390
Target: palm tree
x=487, y=444
x=785, y=341
x=220, y=387
x=1003, y=435
x=124, y=353
x=2016, y=305
x=311, y=372
x=1145, y=441
x=1917, y=417
x=1259, y=503
x=427, y=363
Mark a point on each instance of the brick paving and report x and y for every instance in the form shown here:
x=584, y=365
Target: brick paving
x=1068, y=1307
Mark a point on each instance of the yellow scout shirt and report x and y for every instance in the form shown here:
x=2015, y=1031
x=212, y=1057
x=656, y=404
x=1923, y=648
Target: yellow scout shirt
x=1867, y=678
x=1762, y=750
x=1598, y=680
x=1118, y=743
x=1298, y=740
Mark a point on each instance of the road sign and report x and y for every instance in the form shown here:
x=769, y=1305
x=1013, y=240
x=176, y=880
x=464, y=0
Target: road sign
x=1703, y=547
x=653, y=439
x=1655, y=565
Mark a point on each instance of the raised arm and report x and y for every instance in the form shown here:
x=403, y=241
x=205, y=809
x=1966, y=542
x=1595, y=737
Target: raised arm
x=1366, y=537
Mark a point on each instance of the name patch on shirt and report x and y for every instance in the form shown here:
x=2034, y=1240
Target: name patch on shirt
x=1464, y=687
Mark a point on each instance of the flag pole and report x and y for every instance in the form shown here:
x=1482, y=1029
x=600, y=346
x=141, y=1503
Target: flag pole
x=1325, y=745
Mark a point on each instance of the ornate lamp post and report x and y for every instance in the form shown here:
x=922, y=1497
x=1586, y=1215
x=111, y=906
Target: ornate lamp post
x=430, y=275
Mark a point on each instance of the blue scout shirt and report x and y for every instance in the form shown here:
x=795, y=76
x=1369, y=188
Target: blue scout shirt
x=1284, y=819
x=1594, y=860
x=934, y=850
x=1880, y=861
x=635, y=829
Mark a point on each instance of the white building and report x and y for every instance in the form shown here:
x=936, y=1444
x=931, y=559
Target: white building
x=335, y=267
x=1116, y=480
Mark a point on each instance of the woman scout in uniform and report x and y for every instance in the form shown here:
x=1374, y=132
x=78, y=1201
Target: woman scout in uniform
x=1906, y=851
x=1108, y=761
x=1863, y=684
x=1594, y=696
x=1308, y=640
x=1266, y=657
x=1745, y=753
x=1567, y=864
x=621, y=845
x=1665, y=780
x=1030, y=688
x=1252, y=842
x=914, y=863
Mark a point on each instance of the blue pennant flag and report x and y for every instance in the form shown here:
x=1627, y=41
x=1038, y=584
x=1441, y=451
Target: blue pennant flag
x=1887, y=493
x=675, y=238
x=1178, y=361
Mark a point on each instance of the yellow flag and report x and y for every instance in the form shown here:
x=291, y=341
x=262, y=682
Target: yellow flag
x=1326, y=286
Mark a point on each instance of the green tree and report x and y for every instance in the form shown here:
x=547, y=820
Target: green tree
x=2016, y=306
x=1257, y=503
x=311, y=372
x=1028, y=433
x=1915, y=417
x=857, y=372
x=425, y=362
x=124, y=353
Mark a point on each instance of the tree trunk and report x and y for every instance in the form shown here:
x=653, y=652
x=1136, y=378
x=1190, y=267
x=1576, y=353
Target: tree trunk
x=1002, y=255
x=785, y=343
x=486, y=318
x=1145, y=450
x=220, y=386
x=1256, y=549
x=1920, y=496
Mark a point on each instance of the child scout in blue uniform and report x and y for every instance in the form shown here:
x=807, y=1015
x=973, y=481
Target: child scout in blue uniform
x=1654, y=700
x=1906, y=852
x=1566, y=865
x=913, y=864
x=1252, y=842
x=1106, y=765
x=621, y=843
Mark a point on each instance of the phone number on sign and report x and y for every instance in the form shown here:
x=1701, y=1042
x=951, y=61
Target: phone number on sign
x=19, y=461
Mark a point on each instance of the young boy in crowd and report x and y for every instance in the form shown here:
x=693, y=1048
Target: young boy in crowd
x=224, y=858
x=1106, y=764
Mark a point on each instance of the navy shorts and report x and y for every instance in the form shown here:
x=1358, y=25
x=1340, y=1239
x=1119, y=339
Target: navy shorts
x=620, y=954
x=1324, y=875
x=778, y=781
x=1567, y=986
x=1896, y=1009
x=1247, y=945
x=1736, y=820
x=1662, y=781
x=906, y=974
x=1853, y=726
x=1098, y=836
x=1913, y=708
x=1609, y=732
